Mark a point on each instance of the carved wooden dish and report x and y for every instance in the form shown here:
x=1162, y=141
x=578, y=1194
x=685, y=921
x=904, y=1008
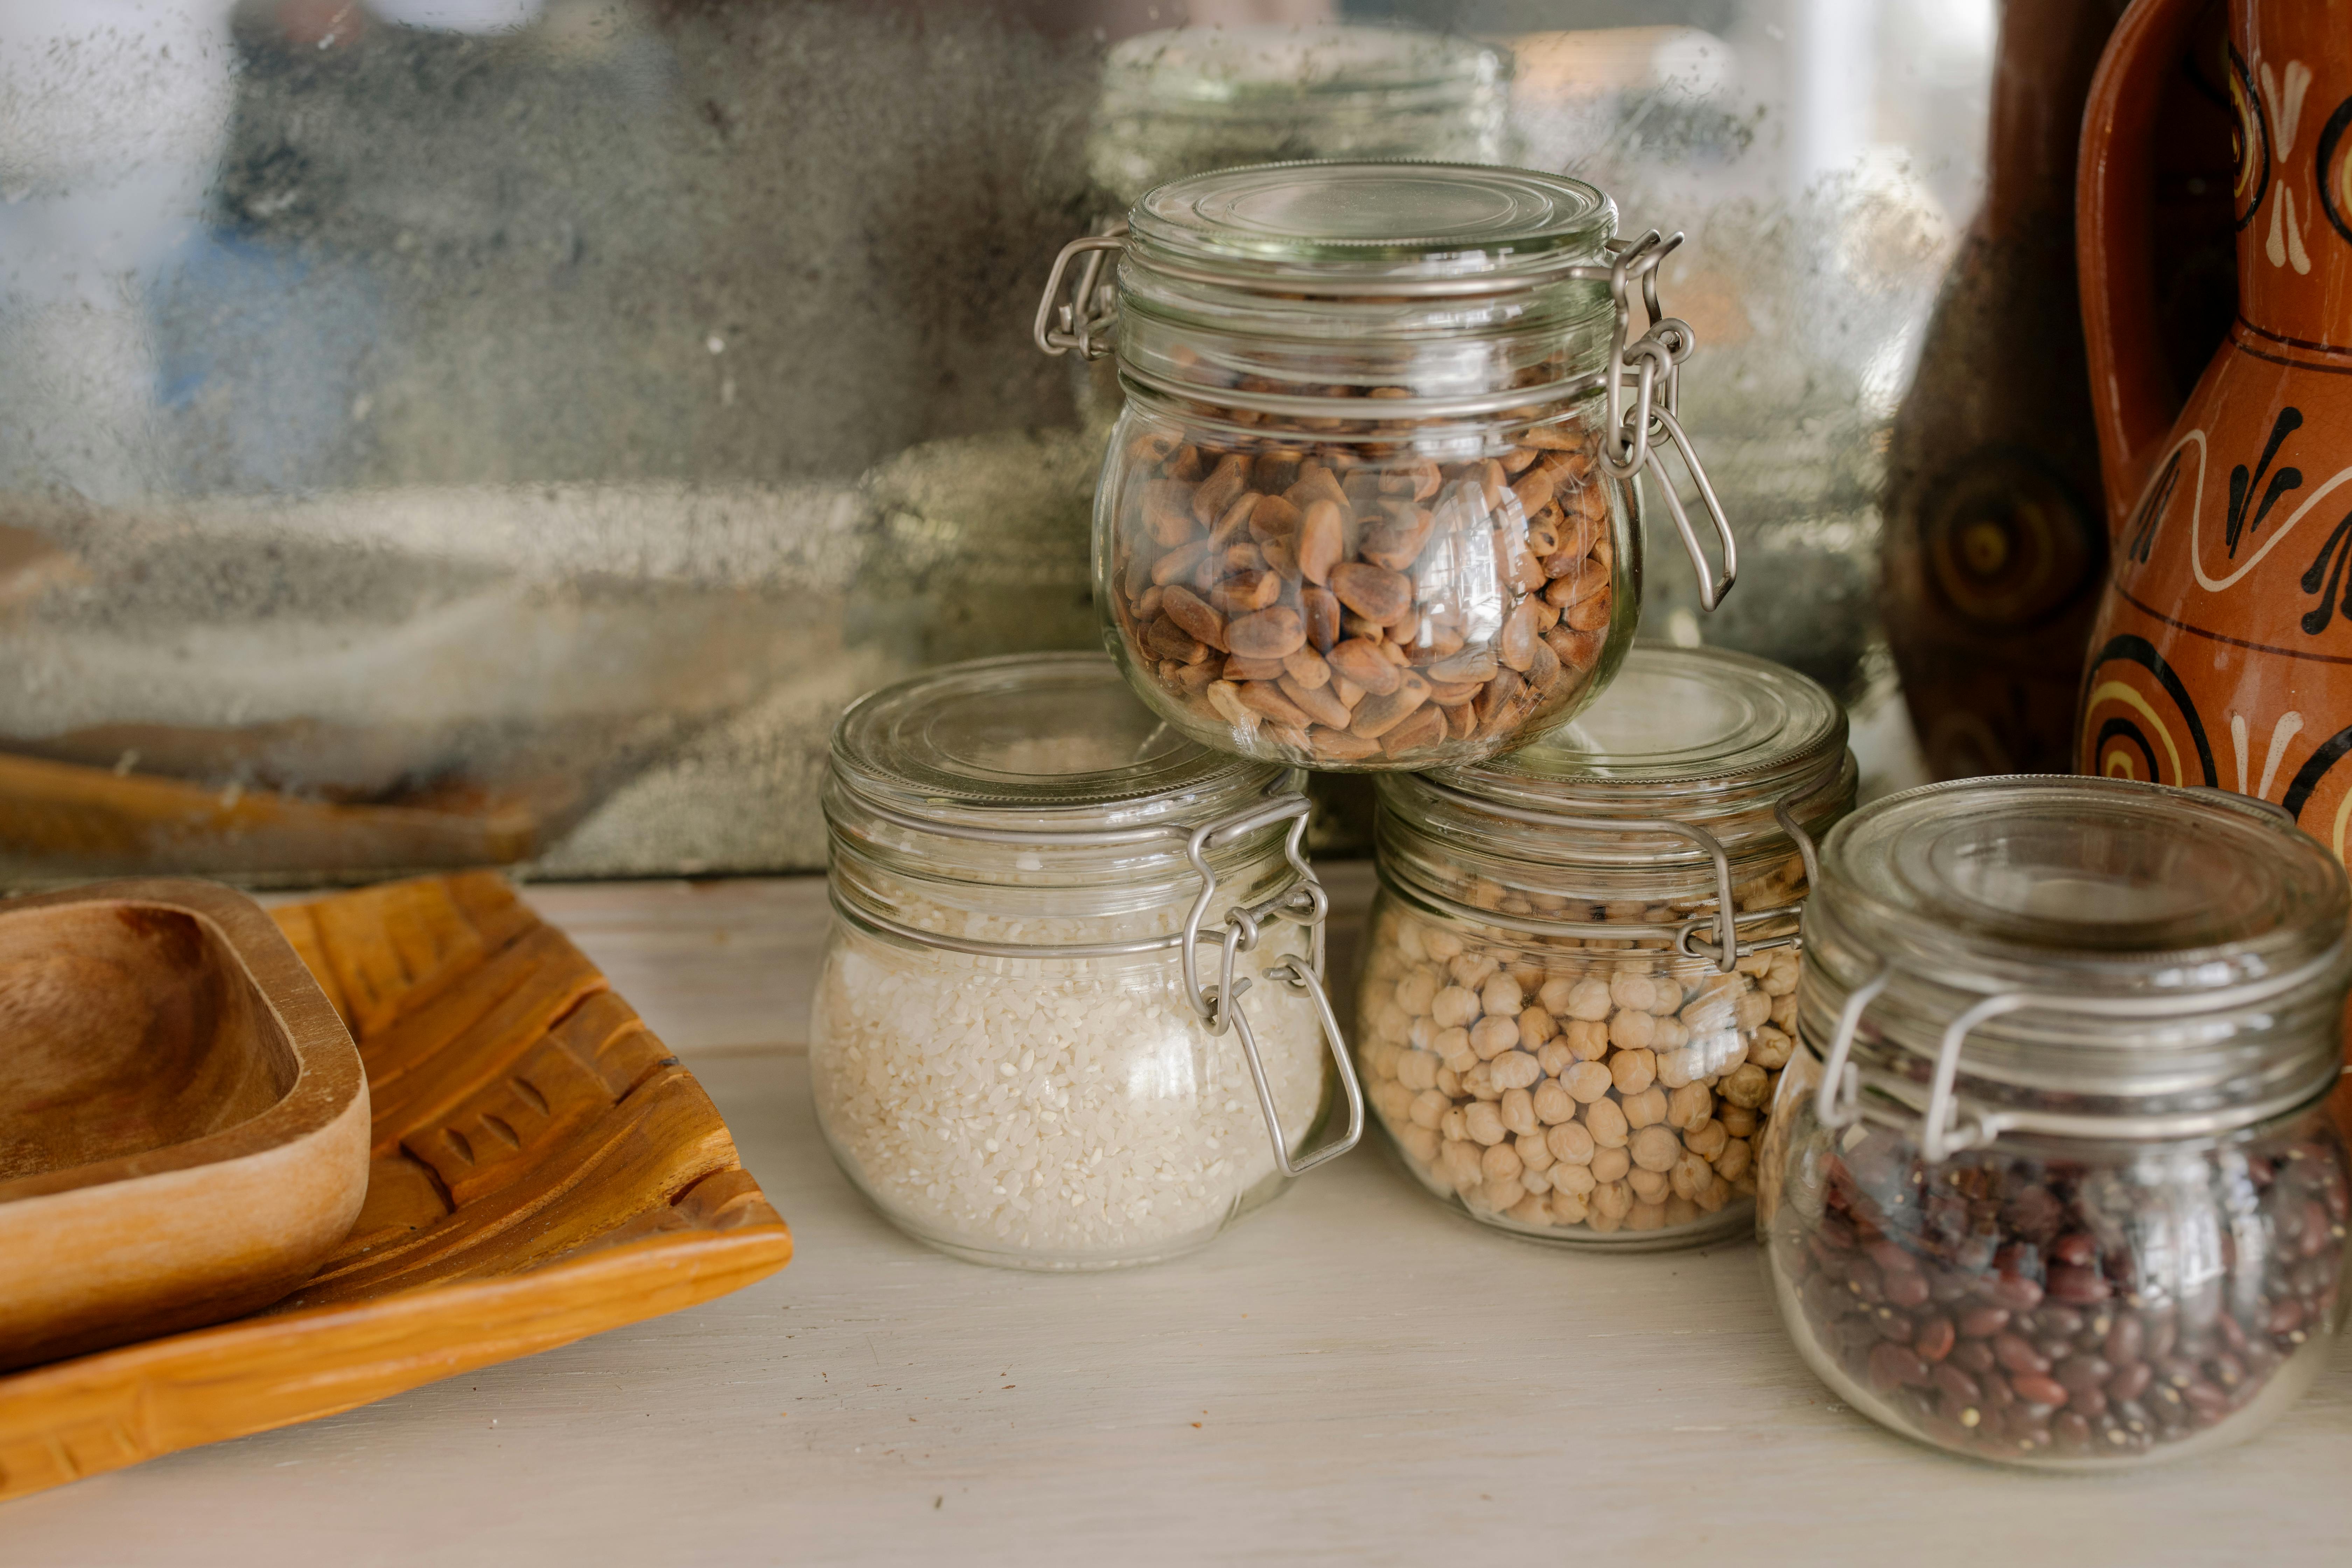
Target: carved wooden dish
x=183, y=1125
x=542, y=1169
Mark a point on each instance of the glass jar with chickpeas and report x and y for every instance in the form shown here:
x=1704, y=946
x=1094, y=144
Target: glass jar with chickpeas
x=1579, y=987
x=1368, y=505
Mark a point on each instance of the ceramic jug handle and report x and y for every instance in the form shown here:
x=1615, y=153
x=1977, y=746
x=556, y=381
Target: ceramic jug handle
x=2132, y=394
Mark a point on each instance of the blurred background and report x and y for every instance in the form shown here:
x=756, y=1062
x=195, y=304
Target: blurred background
x=437, y=432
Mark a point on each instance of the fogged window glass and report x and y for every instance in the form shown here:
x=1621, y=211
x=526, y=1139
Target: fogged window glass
x=437, y=432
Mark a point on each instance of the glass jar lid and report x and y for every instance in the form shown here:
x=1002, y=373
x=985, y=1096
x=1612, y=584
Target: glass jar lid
x=1031, y=733
x=1705, y=737
x=2134, y=888
x=1377, y=225
x=1681, y=806
x=2058, y=954
x=1050, y=757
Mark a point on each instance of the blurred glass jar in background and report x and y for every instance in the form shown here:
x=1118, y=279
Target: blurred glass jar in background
x=983, y=540
x=1816, y=153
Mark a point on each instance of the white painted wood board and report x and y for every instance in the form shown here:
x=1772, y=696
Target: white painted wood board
x=1352, y=1375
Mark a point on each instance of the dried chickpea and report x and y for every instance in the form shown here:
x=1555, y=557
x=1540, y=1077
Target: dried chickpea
x=1595, y=1085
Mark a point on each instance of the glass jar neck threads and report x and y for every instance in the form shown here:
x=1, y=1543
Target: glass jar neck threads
x=2092, y=958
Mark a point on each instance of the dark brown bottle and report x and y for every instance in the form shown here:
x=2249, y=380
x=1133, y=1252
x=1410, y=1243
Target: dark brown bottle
x=1996, y=538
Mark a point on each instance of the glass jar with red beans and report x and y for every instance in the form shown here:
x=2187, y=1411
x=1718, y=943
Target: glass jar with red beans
x=2048, y=1179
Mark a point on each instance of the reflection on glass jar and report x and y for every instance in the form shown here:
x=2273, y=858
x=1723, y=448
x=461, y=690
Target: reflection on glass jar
x=1550, y=1027
x=1040, y=1039
x=1366, y=508
x=2049, y=1180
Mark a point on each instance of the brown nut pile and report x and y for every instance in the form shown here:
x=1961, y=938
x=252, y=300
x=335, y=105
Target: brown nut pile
x=1349, y=606
x=1562, y=1086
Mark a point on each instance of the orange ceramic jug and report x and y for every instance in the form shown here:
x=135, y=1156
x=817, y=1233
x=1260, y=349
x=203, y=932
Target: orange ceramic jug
x=2223, y=651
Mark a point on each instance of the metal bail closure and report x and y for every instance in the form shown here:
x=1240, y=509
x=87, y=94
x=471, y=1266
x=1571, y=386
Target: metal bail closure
x=1941, y=1131
x=1654, y=364
x=1302, y=902
x=1084, y=322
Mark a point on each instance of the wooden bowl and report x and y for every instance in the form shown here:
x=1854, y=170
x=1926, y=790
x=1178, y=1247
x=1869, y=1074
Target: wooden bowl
x=183, y=1121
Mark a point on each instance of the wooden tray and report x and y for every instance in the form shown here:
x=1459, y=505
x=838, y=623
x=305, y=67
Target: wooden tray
x=183, y=1124
x=543, y=1169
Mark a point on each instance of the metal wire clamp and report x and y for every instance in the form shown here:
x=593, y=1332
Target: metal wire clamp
x=1947, y=1125
x=1650, y=367
x=1301, y=901
x=1084, y=322
x=1728, y=946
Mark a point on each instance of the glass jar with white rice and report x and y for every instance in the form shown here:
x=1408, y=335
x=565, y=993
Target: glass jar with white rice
x=1071, y=1013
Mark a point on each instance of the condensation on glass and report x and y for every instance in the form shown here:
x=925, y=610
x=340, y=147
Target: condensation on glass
x=511, y=431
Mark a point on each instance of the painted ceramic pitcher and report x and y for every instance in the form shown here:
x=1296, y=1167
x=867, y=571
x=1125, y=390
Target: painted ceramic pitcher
x=2222, y=654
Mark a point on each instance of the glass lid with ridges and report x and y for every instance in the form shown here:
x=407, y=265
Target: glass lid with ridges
x=1053, y=733
x=1395, y=219
x=1690, y=733
x=1687, y=748
x=2121, y=880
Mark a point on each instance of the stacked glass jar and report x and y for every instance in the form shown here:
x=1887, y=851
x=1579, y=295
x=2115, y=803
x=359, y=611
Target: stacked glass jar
x=2050, y=1179
x=1072, y=1014
x=1581, y=982
x=1367, y=506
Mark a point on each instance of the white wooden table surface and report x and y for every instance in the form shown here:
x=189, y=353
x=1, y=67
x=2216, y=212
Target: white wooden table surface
x=1350, y=1375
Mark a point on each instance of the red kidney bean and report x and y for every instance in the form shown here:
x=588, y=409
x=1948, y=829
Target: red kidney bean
x=2069, y=1282
x=1981, y=1322
x=1974, y=1356
x=1896, y=1367
x=1957, y=1383
x=2131, y=1381
x=2036, y=1389
x=2092, y=1401
x=2018, y=1354
x=1934, y=1337
x=2016, y=1293
x=1906, y=1288
x=2078, y=1372
x=2063, y=1322
x=2126, y=1339
x=2075, y=1247
x=1891, y=1257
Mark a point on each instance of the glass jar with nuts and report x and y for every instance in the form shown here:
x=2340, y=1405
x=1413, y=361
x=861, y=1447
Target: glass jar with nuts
x=2050, y=1179
x=1580, y=982
x=1369, y=506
